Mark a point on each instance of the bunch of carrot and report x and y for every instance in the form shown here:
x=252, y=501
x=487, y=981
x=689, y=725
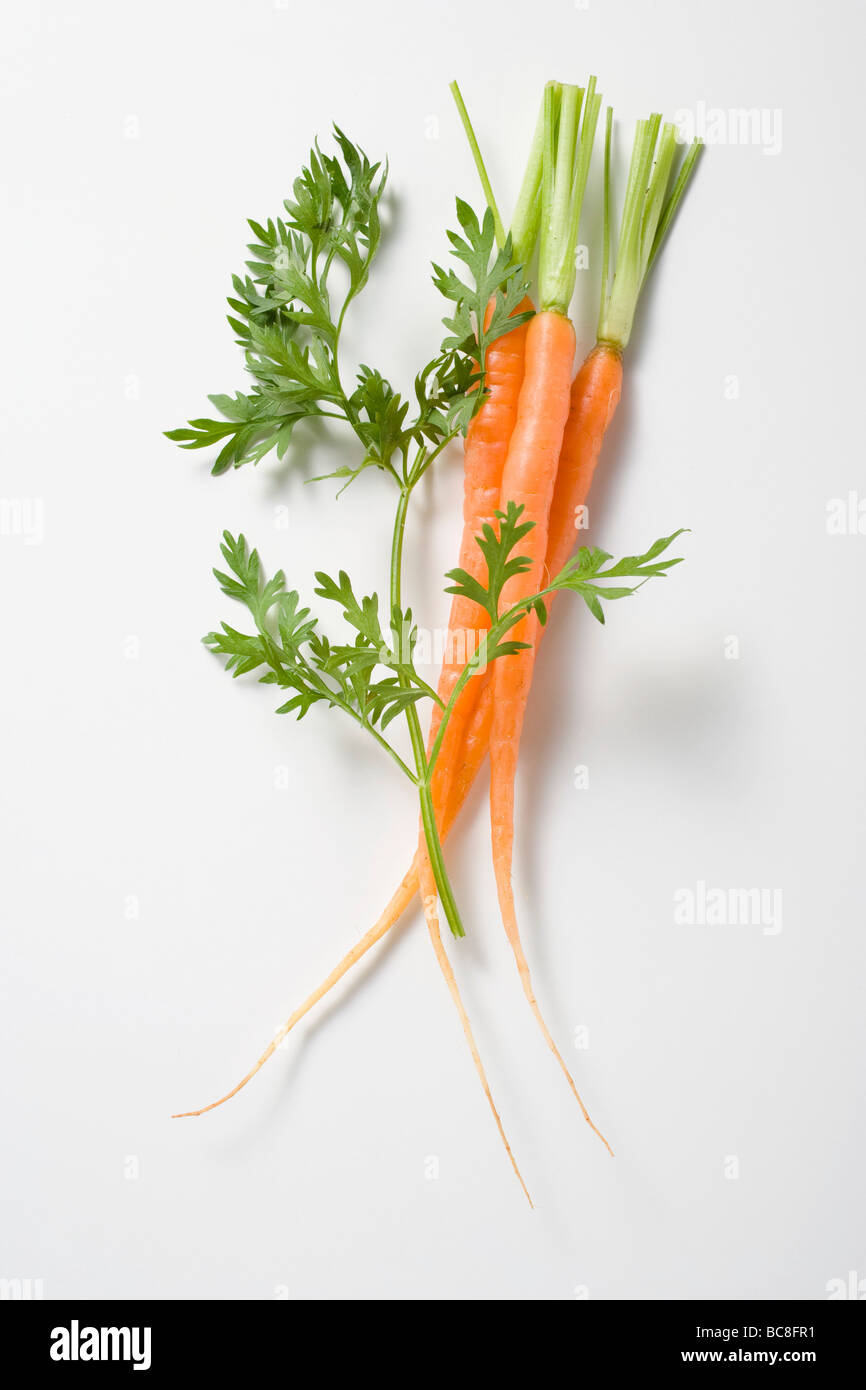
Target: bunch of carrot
x=535, y=442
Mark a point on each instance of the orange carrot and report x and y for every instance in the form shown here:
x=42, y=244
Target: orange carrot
x=486, y=448
x=595, y=393
x=648, y=212
x=475, y=745
x=594, y=397
x=528, y=480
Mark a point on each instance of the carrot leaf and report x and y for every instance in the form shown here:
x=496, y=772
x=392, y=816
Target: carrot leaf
x=501, y=564
x=484, y=309
x=282, y=314
x=289, y=650
x=281, y=310
x=588, y=573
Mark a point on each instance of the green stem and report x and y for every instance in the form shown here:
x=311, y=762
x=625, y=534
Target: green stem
x=416, y=737
x=479, y=163
x=371, y=729
x=426, y=458
x=655, y=194
x=527, y=209
x=427, y=689
x=605, y=254
x=591, y=108
x=693, y=154
x=568, y=142
x=648, y=211
x=560, y=134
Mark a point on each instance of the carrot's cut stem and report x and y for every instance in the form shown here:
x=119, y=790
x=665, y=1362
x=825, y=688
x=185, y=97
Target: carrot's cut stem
x=648, y=211
x=527, y=210
x=480, y=166
x=605, y=234
x=687, y=168
x=567, y=152
x=486, y=447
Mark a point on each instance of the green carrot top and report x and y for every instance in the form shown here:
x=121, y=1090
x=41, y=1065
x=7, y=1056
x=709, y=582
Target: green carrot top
x=527, y=210
x=648, y=211
x=568, y=141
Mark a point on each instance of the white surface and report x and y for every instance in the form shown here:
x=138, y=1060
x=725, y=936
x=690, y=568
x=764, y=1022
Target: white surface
x=154, y=778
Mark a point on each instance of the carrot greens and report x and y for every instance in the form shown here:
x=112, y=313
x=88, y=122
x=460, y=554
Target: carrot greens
x=570, y=120
x=292, y=653
x=648, y=211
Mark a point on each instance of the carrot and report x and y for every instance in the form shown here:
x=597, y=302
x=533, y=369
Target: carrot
x=648, y=212
x=486, y=448
x=475, y=745
x=529, y=477
x=594, y=399
x=487, y=443
x=595, y=393
x=528, y=480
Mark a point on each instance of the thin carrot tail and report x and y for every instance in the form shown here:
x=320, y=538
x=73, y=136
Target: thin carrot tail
x=509, y=918
x=428, y=896
x=503, y=844
x=393, y=912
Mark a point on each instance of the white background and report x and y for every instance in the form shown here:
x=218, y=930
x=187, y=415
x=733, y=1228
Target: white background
x=138, y=139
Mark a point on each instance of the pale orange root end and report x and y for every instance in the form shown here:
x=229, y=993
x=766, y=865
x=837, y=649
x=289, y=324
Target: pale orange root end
x=399, y=902
x=509, y=919
x=402, y=899
x=428, y=897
